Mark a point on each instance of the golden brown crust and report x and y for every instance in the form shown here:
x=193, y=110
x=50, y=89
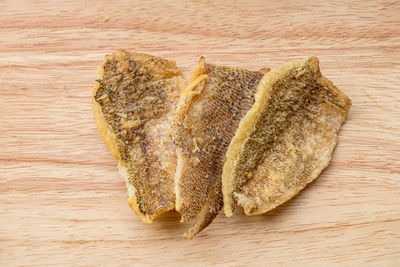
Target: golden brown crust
x=286, y=138
x=105, y=130
x=208, y=113
x=267, y=133
x=133, y=103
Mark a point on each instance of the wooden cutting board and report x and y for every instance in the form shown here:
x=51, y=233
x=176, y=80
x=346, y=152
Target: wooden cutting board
x=62, y=201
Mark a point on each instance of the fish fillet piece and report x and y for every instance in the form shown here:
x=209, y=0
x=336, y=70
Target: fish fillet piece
x=285, y=140
x=208, y=113
x=134, y=104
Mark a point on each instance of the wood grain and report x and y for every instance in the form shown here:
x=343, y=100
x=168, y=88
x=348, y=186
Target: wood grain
x=62, y=201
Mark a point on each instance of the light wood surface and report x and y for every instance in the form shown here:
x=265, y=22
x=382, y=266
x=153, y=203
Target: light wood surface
x=62, y=201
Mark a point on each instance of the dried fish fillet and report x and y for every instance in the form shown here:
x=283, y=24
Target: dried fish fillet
x=285, y=140
x=208, y=114
x=134, y=104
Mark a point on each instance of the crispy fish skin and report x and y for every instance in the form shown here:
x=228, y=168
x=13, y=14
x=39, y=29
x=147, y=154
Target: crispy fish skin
x=133, y=104
x=285, y=140
x=208, y=114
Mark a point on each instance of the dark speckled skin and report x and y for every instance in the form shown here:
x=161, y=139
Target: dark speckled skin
x=211, y=117
x=292, y=140
x=137, y=93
